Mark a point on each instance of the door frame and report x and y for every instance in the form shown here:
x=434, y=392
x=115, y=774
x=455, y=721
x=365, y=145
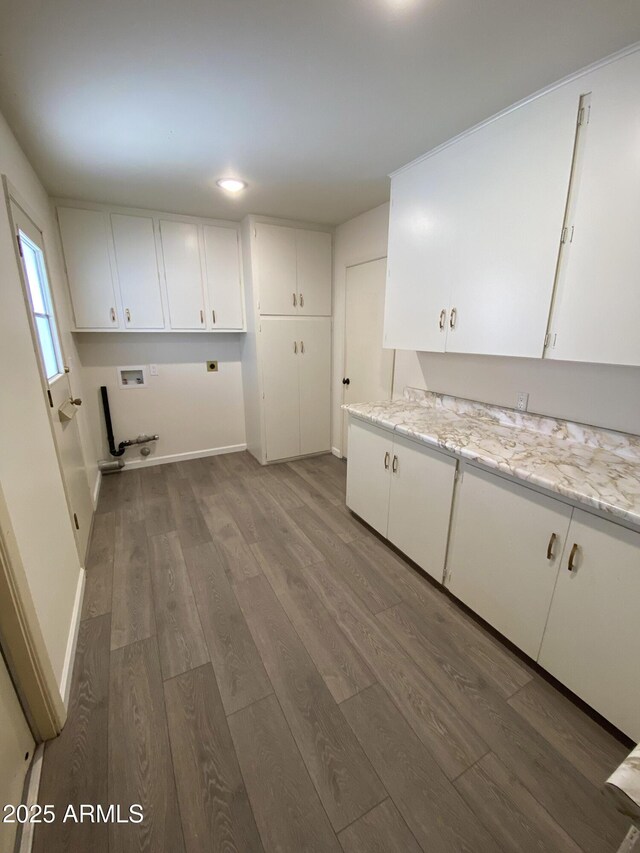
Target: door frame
x=343, y=420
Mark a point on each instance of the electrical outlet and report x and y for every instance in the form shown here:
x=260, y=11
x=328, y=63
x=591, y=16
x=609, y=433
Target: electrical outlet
x=212, y=366
x=153, y=370
x=522, y=401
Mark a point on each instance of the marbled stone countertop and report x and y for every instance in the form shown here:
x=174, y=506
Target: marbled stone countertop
x=596, y=467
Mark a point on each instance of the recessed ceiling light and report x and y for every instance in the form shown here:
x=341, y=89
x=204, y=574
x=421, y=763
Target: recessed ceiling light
x=231, y=185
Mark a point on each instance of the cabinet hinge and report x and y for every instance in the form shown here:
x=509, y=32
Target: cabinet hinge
x=584, y=114
x=19, y=245
x=50, y=398
x=546, y=340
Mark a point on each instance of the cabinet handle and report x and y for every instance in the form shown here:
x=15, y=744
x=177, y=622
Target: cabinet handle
x=128, y=315
x=452, y=318
x=201, y=317
x=295, y=347
x=571, y=565
x=112, y=314
x=301, y=301
x=552, y=542
x=213, y=316
x=295, y=301
x=443, y=318
x=302, y=347
x=394, y=466
x=386, y=461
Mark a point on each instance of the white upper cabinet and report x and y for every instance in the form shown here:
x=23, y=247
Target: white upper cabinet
x=597, y=304
x=292, y=268
x=474, y=235
x=86, y=245
x=422, y=242
x=313, y=266
x=137, y=268
x=275, y=261
x=224, y=286
x=183, y=274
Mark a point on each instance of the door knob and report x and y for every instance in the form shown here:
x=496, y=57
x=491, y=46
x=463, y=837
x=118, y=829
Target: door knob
x=75, y=400
x=346, y=381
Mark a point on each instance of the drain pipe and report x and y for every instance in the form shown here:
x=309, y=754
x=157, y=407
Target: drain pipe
x=111, y=467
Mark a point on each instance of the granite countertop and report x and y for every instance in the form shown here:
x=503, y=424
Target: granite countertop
x=595, y=467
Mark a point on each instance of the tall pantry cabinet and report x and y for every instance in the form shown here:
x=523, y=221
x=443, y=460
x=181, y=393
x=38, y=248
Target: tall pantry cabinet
x=286, y=356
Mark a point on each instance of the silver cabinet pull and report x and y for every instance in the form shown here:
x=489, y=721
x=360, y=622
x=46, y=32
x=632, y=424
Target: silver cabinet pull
x=443, y=318
x=201, y=317
x=301, y=301
x=571, y=565
x=295, y=301
x=302, y=347
x=213, y=316
x=394, y=465
x=112, y=313
x=295, y=347
x=386, y=460
x=552, y=542
x=452, y=318
x=128, y=315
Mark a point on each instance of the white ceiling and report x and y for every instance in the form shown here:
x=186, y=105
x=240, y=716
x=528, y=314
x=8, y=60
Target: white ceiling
x=313, y=102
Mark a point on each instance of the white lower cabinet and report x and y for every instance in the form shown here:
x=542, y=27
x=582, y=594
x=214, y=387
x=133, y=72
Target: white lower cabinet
x=403, y=490
x=592, y=641
x=506, y=545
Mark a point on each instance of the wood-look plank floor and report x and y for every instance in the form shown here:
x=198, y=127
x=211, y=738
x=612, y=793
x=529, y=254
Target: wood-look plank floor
x=260, y=672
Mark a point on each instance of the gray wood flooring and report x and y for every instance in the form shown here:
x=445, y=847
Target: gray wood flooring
x=260, y=672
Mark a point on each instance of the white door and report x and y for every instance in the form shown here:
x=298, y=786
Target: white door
x=420, y=503
x=16, y=750
x=280, y=358
x=313, y=264
x=592, y=641
x=597, y=302
x=422, y=238
x=314, y=349
x=368, y=473
x=61, y=404
x=85, y=243
x=506, y=545
x=275, y=256
x=509, y=211
x=137, y=268
x=222, y=257
x=183, y=274
x=368, y=367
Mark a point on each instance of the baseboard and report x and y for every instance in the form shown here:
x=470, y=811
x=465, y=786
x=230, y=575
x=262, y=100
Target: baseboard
x=96, y=489
x=179, y=457
x=72, y=642
x=336, y=452
x=30, y=798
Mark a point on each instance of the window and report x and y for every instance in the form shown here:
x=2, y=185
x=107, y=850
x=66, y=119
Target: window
x=41, y=306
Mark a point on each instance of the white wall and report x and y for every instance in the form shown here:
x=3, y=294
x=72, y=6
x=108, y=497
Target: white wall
x=361, y=239
x=192, y=411
x=29, y=471
x=599, y=394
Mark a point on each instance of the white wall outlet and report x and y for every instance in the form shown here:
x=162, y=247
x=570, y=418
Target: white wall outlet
x=153, y=370
x=522, y=401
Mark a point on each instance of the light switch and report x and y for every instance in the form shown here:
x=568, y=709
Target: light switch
x=153, y=370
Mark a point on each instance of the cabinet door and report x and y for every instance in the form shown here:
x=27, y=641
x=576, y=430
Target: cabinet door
x=421, y=249
x=137, y=265
x=222, y=255
x=500, y=537
x=275, y=256
x=420, y=503
x=597, y=303
x=183, y=274
x=592, y=643
x=368, y=473
x=509, y=209
x=314, y=338
x=279, y=358
x=85, y=242
x=313, y=265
